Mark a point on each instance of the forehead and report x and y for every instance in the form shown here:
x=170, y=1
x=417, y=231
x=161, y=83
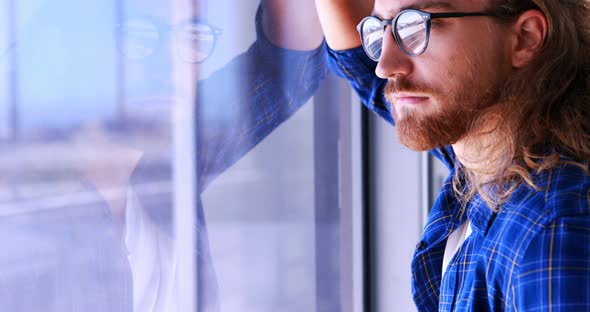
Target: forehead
x=388, y=8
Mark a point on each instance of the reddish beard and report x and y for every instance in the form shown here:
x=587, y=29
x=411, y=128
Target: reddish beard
x=451, y=121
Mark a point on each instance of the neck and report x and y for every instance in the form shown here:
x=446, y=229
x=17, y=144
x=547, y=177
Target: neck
x=482, y=152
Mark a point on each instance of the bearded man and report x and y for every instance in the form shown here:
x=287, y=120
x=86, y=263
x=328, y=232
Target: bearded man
x=500, y=92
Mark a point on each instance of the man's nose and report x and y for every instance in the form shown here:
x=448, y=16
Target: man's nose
x=393, y=61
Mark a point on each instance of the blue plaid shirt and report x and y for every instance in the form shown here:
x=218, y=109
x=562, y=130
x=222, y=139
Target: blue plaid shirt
x=533, y=255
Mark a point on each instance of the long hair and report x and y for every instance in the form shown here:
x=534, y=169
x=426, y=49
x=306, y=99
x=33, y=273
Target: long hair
x=545, y=114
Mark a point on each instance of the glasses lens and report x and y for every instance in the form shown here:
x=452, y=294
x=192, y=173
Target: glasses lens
x=195, y=42
x=372, y=37
x=139, y=38
x=411, y=30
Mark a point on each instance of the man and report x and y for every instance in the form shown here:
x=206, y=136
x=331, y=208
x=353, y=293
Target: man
x=107, y=243
x=498, y=91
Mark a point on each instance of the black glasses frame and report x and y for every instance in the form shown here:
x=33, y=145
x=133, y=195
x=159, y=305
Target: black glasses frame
x=427, y=16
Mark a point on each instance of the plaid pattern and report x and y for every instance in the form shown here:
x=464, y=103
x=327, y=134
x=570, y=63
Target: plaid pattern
x=534, y=255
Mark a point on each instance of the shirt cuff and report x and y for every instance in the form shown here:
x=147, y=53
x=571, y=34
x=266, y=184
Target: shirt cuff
x=351, y=63
x=355, y=66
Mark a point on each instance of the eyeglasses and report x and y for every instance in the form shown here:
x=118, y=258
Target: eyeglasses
x=410, y=28
x=193, y=41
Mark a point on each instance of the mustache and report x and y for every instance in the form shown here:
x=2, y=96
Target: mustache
x=404, y=85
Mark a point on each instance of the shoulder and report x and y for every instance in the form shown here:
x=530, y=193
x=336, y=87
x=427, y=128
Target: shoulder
x=563, y=192
x=540, y=241
x=567, y=192
x=555, y=259
x=563, y=232
x=553, y=223
x=530, y=218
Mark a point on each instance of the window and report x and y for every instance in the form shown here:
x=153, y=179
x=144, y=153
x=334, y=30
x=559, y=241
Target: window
x=166, y=156
x=402, y=188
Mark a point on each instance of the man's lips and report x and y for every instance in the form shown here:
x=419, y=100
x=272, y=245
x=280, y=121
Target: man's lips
x=409, y=99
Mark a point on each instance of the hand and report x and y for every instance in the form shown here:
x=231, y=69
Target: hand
x=339, y=19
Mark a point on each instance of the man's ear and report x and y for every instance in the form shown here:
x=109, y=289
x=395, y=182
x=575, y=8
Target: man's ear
x=528, y=37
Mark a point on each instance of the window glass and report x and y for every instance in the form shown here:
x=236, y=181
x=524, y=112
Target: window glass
x=172, y=156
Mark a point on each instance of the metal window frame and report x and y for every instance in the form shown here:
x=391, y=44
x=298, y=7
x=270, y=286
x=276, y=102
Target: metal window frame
x=338, y=149
x=397, y=201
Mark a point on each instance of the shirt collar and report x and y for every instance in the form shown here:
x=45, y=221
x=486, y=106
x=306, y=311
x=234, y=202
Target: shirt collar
x=480, y=214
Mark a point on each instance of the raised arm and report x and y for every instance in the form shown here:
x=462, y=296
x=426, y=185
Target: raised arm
x=347, y=58
x=339, y=19
x=292, y=24
x=269, y=83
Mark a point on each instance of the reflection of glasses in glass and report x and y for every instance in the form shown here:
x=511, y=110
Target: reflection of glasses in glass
x=193, y=42
x=410, y=28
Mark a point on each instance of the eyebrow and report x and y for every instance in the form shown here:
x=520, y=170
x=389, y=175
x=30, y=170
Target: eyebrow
x=423, y=6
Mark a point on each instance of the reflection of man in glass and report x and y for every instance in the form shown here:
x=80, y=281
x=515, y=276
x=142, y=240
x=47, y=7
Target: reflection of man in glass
x=238, y=105
x=118, y=255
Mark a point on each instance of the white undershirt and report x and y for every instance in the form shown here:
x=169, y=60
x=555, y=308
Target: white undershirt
x=454, y=242
x=153, y=261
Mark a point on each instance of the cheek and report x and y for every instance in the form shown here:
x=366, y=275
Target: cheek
x=455, y=51
x=468, y=67
x=444, y=65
